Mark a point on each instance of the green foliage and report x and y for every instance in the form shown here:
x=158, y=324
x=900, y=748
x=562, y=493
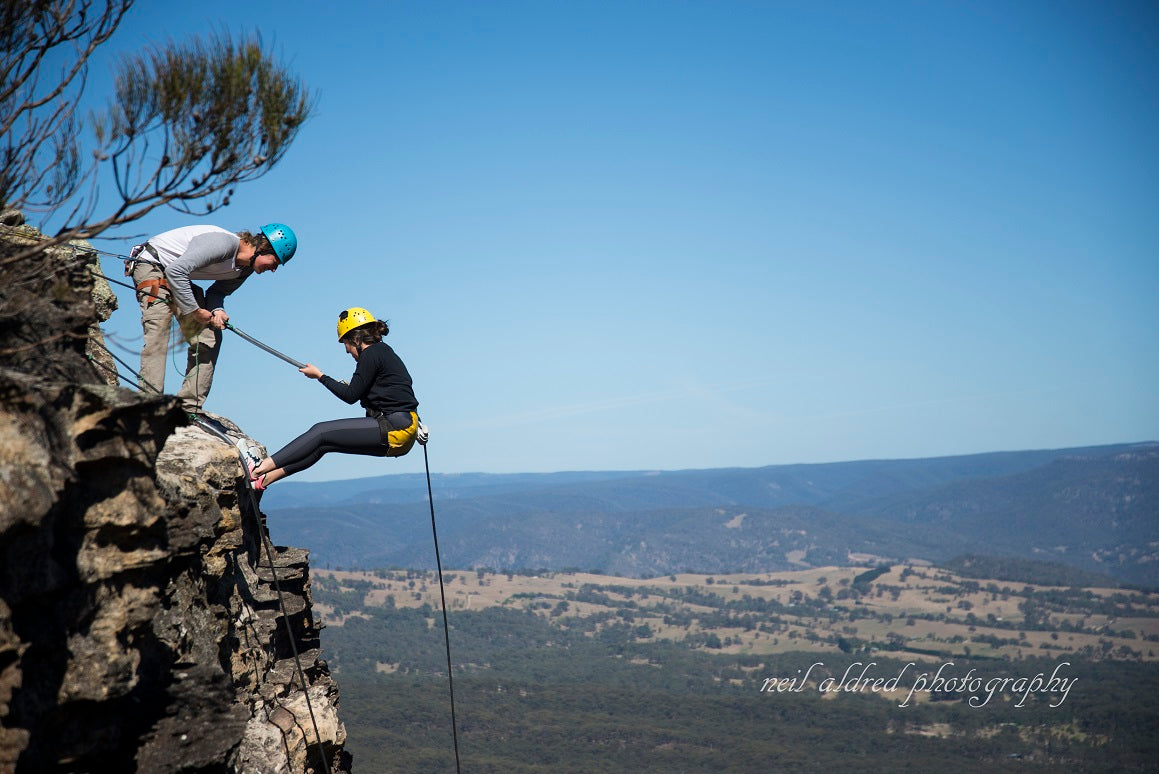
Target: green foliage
x=1018, y=570
x=534, y=695
x=223, y=111
x=863, y=580
x=187, y=120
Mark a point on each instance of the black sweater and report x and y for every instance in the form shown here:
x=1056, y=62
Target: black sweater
x=380, y=382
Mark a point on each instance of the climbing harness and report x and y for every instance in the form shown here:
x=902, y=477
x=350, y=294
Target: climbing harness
x=130, y=287
x=135, y=258
x=399, y=430
x=148, y=288
x=151, y=288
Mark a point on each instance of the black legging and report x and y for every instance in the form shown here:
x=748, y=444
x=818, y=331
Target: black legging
x=349, y=436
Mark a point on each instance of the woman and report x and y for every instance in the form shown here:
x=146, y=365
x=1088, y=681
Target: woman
x=383, y=386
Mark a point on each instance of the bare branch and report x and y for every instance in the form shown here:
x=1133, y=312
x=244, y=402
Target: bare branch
x=31, y=30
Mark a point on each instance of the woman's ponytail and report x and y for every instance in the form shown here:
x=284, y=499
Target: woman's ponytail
x=368, y=333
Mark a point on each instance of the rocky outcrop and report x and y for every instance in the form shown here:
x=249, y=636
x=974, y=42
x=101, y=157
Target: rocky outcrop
x=144, y=625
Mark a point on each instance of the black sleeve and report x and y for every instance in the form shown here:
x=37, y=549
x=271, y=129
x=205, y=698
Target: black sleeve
x=360, y=382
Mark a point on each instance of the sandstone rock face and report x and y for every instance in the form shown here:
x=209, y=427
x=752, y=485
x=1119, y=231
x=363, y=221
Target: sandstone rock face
x=104, y=304
x=144, y=625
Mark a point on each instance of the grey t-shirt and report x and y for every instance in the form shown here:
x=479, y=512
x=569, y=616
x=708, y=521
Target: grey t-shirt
x=200, y=253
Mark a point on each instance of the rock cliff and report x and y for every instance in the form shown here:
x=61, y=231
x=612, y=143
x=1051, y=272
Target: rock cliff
x=142, y=627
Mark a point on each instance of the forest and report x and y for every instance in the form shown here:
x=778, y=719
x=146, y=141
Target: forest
x=575, y=672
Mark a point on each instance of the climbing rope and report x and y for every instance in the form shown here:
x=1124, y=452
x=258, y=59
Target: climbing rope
x=267, y=348
x=16, y=232
x=195, y=348
x=81, y=254
x=136, y=384
x=268, y=550
x=266, y=546
x=174, y=344
x=113, y=371
x=125, y=285
x=443, y=597
x=286, y=618
x=172, y=349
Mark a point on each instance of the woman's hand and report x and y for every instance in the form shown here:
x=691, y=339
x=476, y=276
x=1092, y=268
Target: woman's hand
x=311, y=371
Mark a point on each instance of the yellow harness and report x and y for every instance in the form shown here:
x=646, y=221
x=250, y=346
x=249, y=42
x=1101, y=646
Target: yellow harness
x=399, y=442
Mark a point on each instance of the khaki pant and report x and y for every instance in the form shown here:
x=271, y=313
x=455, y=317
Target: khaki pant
x=156, y=314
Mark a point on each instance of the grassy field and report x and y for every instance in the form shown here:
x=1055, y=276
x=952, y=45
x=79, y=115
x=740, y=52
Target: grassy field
x=907, y=611
x=579, y=672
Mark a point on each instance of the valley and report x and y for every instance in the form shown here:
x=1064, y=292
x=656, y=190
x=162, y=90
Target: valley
x=812, y=669
x=900, y=611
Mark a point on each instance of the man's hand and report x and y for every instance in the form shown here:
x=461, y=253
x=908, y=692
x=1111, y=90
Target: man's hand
x=311, y=371
x=218, y=319
x=193, y=324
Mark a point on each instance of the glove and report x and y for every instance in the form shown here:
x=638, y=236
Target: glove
x=423, y=434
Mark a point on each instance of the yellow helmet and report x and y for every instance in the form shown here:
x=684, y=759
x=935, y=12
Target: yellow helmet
x=351, y=319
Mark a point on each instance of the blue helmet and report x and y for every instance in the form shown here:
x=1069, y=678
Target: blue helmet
x=282, y=239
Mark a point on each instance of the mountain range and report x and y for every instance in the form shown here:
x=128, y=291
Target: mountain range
x=1094, y=508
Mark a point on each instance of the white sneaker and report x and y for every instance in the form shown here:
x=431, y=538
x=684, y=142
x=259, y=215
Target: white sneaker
x=249, y=453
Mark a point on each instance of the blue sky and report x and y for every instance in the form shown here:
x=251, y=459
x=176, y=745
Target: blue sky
x=645, y=235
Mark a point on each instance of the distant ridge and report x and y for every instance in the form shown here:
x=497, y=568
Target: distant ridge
x=1094, y=508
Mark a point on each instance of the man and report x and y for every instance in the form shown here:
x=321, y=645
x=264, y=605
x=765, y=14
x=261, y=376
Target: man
x=163, y=268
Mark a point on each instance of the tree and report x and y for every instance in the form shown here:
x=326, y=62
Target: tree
x=185, y=124
x=38, y=104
